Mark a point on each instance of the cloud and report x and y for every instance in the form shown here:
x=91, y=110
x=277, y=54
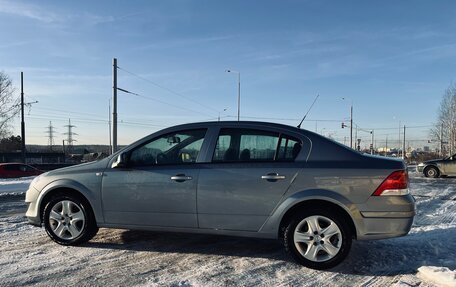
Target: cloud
x=45, y=15
x=186, y=42
x=28, y=11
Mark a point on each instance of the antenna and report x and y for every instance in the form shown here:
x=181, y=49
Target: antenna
x=299, y=126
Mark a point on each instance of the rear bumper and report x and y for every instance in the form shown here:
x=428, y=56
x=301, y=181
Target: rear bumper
x=393, y=225
x=385, y=217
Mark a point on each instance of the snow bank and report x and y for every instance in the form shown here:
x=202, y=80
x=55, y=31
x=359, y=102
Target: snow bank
x=440, y=276
x=15, y=185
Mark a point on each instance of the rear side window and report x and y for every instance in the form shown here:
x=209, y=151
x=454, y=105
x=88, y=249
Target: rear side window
x=288, y=148
x=12, y=167
x=245, y=145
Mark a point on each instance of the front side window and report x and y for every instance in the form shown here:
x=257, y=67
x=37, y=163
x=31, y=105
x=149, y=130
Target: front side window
x=174, y=148
x=242, y=145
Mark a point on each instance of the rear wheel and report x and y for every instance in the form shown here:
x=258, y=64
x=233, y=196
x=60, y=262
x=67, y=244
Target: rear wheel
x=69, y=220
x=317, y=239
x=431, y=171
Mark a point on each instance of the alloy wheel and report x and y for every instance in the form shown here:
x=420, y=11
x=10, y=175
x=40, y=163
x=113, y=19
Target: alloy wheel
x=67, y=219
x=317, y=238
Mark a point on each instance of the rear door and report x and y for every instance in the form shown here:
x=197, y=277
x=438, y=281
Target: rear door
x=250, y=171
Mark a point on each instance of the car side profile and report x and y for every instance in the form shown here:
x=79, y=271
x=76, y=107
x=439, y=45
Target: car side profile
x=438, y=167
x=14, y=170
x=250, y=179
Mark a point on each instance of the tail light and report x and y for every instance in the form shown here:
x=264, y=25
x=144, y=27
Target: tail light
x=395, y=184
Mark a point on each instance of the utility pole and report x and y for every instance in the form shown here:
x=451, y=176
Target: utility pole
x=372, y=141
x=399, y=147
x=114, y=105
x=356, y=135
x=441, y=141
x=22, y=118
x=351, y=125
x=239, y=92
x=403, y=146
x=50, y=133
x=239, y=96
x=109, y=123
x=386, y=148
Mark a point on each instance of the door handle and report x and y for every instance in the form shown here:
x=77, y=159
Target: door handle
x=181, y=177
x=272, y=177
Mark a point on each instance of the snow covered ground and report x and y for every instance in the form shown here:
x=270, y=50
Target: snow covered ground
x=14, y=185
x=136, y=258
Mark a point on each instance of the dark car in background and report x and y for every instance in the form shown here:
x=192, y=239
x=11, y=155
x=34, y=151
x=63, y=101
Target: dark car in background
x=438, y=167
x=13, y=170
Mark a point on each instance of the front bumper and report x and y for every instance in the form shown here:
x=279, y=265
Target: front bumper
x=420, y=168
x=33, y=211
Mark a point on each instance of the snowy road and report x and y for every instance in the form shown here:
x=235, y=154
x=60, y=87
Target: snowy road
x=120, y=257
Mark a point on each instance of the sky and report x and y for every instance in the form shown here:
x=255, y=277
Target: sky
x=391, y=60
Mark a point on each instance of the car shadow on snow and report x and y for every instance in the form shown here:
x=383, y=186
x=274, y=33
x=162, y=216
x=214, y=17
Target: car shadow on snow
x=188, y=243
x=396, y=256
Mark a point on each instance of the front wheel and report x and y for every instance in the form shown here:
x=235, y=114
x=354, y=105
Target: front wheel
x=317, y=239
x=69, y=220
x=431, y=171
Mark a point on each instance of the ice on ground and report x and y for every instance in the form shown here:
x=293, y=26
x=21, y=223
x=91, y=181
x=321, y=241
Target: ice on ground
x=15, y=185
x=440, y=276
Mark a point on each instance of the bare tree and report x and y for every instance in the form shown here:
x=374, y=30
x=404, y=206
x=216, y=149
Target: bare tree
x=445, y=128
x=9, y=107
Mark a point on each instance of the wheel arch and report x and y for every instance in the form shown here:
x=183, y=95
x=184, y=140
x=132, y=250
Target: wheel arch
x=68, y=188
x=320, y=203
x=315, y=198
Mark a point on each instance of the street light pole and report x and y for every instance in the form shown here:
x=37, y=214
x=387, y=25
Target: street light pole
x=239, y=92
x=224, y=110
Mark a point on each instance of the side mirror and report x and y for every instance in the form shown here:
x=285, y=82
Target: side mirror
x=120, y=162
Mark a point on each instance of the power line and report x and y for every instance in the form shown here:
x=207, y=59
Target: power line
x=283, y=119
x=169, y=104
x=168, y=90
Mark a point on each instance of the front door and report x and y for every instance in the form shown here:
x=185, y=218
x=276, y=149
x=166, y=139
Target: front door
x=158, y=185
x=449, y=166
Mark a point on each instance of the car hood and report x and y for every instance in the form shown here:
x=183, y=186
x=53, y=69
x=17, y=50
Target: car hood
x=84, y=167
x=433, y=161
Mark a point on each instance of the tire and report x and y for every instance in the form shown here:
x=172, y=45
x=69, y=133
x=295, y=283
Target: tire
x=311, y=247
x=69, y=220
x=431, y=171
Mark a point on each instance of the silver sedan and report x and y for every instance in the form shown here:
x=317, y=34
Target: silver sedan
x=233, y=178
